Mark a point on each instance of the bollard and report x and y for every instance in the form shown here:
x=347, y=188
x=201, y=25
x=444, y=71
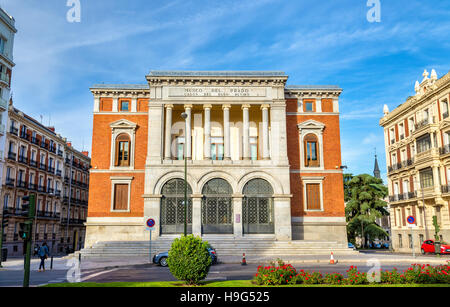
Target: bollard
x=79, y=257
x=51, y=263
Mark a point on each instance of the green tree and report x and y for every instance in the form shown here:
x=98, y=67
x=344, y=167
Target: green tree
x=364, y=206
x=347, y=190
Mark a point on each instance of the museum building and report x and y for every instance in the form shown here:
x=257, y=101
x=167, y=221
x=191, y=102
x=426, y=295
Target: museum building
x=263, y=158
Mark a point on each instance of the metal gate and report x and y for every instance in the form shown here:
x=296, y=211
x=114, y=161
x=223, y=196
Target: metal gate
x=257, y=207
x=217, y=212
x=172, y=207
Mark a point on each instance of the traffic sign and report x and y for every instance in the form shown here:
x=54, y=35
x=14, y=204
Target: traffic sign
x=150, y=224
x=411, y=220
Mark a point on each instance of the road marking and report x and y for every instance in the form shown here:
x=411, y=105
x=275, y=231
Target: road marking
x=97, y=274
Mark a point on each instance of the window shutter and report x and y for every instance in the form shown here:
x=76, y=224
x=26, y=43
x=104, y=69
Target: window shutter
x=313, y=196
x=121, y=197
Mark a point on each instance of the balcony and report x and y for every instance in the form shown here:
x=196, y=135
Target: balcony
x=41, y=189
x=3, y=104
x=60, y=153
x=50, y=190
x=58, y=193
x=66, y=180
x=44, y=145
x=67, y=160
x=402, y=136
x=12, y=155
x=35, y=141
x=402, y=197
x=32, y=186
x=422, y=124
x=14, y=130
x=42, y=166
x=21, y=184
x=5, y=79
x=51, y=170
x=24, y=135
x=9, y=182
x=445, y=189
x=58, y=173
x=444, y=150
x=23, y=159
x=13, y=212
x=33, y=163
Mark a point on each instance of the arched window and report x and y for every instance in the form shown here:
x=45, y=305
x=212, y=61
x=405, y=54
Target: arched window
x=311, y=146
x=217, y=211
x=172, y=207
x=123, y=150
x=257, y=207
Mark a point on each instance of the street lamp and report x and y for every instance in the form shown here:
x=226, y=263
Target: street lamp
x=184, y=115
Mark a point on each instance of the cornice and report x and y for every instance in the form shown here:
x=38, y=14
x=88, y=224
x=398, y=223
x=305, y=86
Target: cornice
x=414, y=101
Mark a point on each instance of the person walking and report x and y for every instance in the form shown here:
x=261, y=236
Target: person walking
x=43, y=254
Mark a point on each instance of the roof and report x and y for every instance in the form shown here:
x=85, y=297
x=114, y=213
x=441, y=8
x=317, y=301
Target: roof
x=314, y=87
x=179, y=73
x=121, y=86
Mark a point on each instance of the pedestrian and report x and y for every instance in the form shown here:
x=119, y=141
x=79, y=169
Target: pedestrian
x=43, y=254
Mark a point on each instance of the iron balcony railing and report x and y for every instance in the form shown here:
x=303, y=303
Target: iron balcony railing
x=21, y=184
x=60, y=153
x=421, y=124
x=58, y=173
x=33, y=163
x=445, y=188
x=51, y=169
x=445, y=114
x=14, y=130
x=42, y=166
x=404, y=196
x=9, y=182
x=23, y=159
x=41, y=189
x=444, y=150
x=12, y=155
x=32, y=186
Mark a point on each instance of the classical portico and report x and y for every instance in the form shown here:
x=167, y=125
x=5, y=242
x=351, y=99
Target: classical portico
x=234, y=139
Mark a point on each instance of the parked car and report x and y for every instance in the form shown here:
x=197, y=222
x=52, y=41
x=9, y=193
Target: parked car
x=385, y=245
x=377, y=245
x=428, y=247
x=350, y=245
x=161, y=258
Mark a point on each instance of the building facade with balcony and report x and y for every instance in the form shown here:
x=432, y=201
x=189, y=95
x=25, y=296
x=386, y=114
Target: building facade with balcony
x=7, y=33
x=39, y=161
x=263, y=158
x=417, y=138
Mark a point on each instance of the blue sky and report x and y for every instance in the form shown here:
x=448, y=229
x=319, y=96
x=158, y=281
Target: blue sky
x=314, y=42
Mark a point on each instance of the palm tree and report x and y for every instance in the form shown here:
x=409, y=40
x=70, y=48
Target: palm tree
x=365, y=205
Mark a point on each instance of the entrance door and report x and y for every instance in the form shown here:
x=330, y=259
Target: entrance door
x=172, y=207
x=217, y=211
x=257, y=207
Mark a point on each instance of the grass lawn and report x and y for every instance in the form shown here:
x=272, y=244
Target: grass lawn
x=229, y=283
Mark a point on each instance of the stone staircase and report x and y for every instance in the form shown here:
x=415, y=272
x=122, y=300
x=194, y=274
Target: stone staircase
x=225, y=246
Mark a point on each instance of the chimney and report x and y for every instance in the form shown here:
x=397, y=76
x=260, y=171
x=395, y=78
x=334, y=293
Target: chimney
x=51, y=128
x=69, y=144
x=86, y=153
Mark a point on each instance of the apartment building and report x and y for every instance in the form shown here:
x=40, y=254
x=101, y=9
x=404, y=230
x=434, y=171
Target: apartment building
x=417, y=138
x=263, y=158
x=39, y=161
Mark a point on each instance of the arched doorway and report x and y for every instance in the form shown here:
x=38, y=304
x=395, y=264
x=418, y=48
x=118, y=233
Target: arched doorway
x=217, y=211
x=257, y=207
x=172, y=207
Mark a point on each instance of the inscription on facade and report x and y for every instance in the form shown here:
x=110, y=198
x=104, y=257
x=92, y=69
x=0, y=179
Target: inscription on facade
x=217, y=92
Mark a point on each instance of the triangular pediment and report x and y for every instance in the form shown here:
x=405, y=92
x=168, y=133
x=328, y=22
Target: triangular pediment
x=123, y=123
x=311, y=124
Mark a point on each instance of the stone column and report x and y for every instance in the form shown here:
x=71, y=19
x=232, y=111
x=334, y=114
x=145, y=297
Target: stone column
x=187, y=134
x=168, y=133
x=278, y=135
x=152, y=204
x=237, y=215
x=197, y=215
x=115, y=105
x=134, y=104
x=282, y=214
x=226, y=131
x=246, y=132
x=154, y=143
x=207, y=132
x=97, y=104
x=265, y=132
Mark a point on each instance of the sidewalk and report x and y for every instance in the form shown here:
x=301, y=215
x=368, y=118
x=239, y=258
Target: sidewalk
x=61, y=263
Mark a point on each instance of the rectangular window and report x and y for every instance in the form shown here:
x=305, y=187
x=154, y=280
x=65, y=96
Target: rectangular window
x=423, y=143
x=410, y=240
x=309, y=106
x=254, y=148
x=120, y=197
x=217, y=149
x=400, y=242
x=180, y=148
x=426, y=178
x=124, y=105
x=313, y=196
